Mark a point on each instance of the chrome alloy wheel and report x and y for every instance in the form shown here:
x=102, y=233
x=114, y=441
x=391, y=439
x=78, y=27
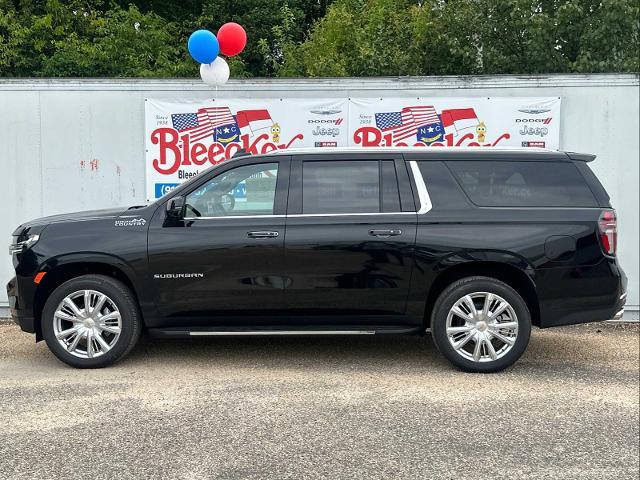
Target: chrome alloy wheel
x=482, y=327
x=87, y=323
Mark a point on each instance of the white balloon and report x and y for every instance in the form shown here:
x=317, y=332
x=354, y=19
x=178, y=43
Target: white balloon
x=215, y=73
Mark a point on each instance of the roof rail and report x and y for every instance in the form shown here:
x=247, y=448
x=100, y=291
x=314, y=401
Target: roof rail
x=241, y=153
x=581, y=157
x=409, y=150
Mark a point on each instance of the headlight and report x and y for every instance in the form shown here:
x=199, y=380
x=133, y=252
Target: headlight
x=24, y=245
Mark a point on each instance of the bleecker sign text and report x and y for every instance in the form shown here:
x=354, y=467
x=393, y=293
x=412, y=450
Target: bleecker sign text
x=176, y=150
x=185, y=137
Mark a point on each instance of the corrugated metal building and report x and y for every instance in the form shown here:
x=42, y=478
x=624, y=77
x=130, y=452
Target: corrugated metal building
x=52, y=130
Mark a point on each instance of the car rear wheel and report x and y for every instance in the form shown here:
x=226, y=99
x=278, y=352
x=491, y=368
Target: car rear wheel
x=481, y=324
x=91, y=321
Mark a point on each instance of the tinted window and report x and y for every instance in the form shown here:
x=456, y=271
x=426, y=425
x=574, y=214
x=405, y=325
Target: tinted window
x=443, y=189
x=246, y=190
x=390, y=193
x=596, y=187
x=340, y=187
x=523, y=184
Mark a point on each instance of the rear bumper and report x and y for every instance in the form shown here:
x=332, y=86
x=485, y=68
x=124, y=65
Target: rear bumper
x=622, y=298
x=582, y=295
x=20, y=315
x=620, y=306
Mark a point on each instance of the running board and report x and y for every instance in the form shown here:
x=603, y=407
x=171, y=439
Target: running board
x=266, y=332
x=280, y=332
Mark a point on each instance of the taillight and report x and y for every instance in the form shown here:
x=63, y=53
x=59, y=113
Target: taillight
x=608, y=225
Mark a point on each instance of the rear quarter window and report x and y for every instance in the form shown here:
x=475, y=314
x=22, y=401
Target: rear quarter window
x=523, y=184
x=443, y=189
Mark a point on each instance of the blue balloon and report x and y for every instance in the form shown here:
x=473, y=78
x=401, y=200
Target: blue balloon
x=203, y=46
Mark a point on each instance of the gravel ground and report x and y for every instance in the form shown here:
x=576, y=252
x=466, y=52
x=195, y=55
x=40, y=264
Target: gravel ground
x=343, y=407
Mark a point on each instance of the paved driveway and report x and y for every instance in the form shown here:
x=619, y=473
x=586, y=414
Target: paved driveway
x=357, y=407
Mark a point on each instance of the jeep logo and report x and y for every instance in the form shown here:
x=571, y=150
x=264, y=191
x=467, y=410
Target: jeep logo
x=326, y=132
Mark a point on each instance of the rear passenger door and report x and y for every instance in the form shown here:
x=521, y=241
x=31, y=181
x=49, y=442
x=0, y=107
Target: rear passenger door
x=349, y=238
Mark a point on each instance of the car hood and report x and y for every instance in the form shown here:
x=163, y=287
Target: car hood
x=73, y=217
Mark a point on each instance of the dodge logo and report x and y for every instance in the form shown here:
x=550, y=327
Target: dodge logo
x=546, y=121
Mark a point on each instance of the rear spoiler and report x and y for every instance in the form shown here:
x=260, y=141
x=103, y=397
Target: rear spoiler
x=581, y=157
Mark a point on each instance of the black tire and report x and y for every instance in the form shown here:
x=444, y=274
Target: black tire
x=124, y=301
x=458, y=290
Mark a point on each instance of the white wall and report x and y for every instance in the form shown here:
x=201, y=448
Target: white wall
x=69, y=145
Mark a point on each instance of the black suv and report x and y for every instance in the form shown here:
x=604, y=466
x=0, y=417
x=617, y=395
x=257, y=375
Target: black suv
x=475, y=245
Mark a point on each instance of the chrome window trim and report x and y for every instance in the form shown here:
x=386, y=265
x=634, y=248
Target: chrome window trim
x=302, y=215
x=423, y=196
x=233, y=217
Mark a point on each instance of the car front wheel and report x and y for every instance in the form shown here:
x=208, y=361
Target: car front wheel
x=481, y=324
x=91, y=321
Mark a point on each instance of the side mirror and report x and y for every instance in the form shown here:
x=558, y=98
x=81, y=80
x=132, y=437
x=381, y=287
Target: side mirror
x=175, y=207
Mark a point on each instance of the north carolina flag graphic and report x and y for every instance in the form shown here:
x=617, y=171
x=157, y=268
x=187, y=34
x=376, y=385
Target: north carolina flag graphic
x=251, y=121
x=459, y=119
x=226, y=133
x=431, y=133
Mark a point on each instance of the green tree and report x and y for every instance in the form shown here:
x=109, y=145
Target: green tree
x=125, y=38
x=262, y=19
x=138, y=38
x=402, y=37
x=59, y=39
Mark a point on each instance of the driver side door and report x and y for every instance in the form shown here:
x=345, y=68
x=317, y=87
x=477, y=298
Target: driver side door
x=222, y=264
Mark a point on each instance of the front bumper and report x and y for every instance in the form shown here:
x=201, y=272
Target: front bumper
x=23, y=317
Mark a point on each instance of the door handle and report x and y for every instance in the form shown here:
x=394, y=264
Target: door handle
x=262, y=234
x=385, y=233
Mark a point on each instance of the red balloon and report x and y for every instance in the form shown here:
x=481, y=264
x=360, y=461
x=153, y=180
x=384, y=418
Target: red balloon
x=232, y=39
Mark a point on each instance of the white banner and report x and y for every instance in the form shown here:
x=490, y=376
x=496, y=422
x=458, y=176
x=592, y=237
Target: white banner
x=184, y=138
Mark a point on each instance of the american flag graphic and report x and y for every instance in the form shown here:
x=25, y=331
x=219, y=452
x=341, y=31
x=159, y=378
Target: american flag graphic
x=219, y=116
x=203, y=123
x=405, y=123
x=424, y=115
